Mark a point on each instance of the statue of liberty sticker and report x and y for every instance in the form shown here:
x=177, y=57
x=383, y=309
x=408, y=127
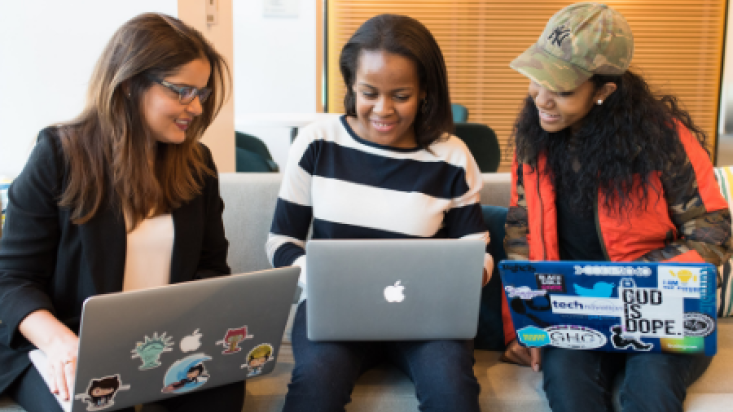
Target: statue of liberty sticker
x=150, y=349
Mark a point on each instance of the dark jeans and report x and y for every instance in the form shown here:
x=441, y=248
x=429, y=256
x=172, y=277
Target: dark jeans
x=325, y=372
x=577, y=380
x=31, y=392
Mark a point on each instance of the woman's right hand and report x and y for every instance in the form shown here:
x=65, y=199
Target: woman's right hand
x=516, y=353
x=59, y=344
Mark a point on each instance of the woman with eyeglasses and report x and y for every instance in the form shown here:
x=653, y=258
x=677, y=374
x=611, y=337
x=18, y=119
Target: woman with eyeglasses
x=123, y=197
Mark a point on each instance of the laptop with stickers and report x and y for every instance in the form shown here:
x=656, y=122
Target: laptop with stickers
x=142, y=346
x=393, y=289
x=615, y=307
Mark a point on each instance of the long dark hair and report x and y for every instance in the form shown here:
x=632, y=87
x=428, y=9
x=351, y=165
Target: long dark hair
x=633, y=134
x=108, y=146
x=408, y=38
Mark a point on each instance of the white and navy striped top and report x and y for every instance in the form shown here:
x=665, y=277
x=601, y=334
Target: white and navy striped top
x=351, y=188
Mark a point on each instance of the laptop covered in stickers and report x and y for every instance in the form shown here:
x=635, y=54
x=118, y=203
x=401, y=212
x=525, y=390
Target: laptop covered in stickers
x=614, y=307
x=142, y=346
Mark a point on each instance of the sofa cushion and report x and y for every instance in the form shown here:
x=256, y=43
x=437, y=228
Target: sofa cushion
x=249, y=205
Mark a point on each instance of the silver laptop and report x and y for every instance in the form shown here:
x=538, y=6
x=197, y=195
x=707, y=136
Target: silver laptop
x=142, y=346
x=388, y=289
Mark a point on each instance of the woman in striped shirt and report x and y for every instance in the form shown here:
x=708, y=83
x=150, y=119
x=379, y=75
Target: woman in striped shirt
x=387, y=169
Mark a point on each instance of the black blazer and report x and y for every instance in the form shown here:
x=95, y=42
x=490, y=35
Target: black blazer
x=47, y=262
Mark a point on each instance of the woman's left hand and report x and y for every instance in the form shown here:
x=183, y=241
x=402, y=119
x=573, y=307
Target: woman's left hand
x=516, y=353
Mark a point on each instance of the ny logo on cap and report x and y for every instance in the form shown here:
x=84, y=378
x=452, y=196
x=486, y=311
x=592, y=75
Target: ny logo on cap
x=558, y=35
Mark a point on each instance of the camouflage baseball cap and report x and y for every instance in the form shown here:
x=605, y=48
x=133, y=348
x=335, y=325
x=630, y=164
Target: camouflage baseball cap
x=579, y=41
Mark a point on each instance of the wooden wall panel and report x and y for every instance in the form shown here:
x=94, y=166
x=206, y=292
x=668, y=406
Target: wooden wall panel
x=679, y=46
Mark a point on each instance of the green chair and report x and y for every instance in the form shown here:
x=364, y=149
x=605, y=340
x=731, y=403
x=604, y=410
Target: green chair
x=252, y=155
x=460, y=113
x=483, y=144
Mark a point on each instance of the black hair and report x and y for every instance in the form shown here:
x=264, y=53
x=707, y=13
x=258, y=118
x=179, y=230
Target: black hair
x=407, y=37
x=199, y=367
x=632, y=134
x=110, y=382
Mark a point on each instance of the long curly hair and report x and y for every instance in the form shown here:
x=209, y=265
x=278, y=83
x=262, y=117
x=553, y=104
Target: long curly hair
x=633, y=134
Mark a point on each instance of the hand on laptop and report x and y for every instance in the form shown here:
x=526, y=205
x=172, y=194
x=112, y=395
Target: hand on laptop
x=62, y=366
x=59, y=344
x=516, y=353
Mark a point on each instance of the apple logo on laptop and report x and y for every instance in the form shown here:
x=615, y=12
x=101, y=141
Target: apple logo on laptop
x=191, y=342
x=394, y=293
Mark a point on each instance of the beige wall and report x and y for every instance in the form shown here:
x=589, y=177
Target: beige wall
x=220, y=136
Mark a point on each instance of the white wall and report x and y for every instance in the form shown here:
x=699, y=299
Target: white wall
x=274, y=68
x=219, y=137
x=47, y=52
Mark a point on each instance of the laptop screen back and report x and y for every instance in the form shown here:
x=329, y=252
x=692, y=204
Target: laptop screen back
x=618, y=307
x=141, y=346
x=390, y=289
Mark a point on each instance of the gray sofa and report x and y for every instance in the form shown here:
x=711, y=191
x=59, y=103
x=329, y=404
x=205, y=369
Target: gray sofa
x=250, y=200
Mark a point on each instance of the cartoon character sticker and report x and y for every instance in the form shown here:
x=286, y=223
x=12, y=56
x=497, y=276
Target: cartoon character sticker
x=186, y=374
x=257, y=358
x=232, y=339
x=621, y=341
x=150, y=349
x=101, y=392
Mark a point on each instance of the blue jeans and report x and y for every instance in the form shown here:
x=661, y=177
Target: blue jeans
x=325, y=372
x=577, y=380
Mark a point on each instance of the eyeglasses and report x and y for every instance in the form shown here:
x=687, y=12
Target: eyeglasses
x=186, y=94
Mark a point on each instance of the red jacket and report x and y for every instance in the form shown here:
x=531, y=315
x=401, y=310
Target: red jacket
x=683, y=224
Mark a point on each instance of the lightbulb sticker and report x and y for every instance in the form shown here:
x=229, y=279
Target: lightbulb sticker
x=679, y=281
x=150, y=349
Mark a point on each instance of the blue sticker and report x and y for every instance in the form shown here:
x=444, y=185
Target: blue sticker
x=599, y=290
x=186, y=374
x=533, y=337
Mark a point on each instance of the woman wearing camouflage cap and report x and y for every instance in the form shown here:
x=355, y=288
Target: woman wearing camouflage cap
x=604, y=170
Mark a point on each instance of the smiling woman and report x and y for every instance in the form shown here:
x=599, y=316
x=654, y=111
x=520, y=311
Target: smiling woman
x=388, y=95
x=387, y=169
x=607, y=171
x=123, y=197
x=170, y=106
